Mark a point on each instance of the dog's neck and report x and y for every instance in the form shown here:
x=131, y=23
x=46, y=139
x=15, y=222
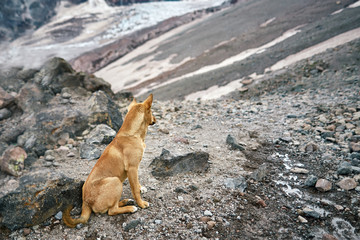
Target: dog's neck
x=133, y=128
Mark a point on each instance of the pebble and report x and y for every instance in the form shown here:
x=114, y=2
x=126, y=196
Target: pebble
x=58, y=216
x=211, y=224
x=49, y=158
x=205, y=219
x=131, y=225
x=208, y=213
x=26, y=231
x=328, y=237
x=158, y=221
x=311, y=147
x=323, y=185
x=302, y=219
x=70, y=154
x=310, y=181
x=339, y=207
x=4, y=113
x=164, y=130
x=344, y=168
x=347, y=184
x=311, y=213
x=299, y=170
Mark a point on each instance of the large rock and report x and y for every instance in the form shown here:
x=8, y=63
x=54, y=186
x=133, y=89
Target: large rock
x=56, y=74
x=12, y=161
x=40, y=195
x=104, y=110
x=54, y=101
x=169, y=165
x=101, y=134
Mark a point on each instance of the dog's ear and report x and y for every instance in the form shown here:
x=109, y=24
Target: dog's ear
x=148, y=101
x=132, y=104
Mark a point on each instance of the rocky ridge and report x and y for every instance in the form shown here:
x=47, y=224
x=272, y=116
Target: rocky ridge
x=283, y=162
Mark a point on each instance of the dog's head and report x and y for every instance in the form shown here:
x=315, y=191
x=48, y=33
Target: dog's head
x=145, y=110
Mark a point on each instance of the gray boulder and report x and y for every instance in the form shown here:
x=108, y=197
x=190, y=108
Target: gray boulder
x=238, y=183
x=40, y=195
x=101, y=134
x=169, y=165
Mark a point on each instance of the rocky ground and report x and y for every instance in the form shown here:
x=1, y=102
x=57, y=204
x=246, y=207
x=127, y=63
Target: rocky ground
x=284, y=162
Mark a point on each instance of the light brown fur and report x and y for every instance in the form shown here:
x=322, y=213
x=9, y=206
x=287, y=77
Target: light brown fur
x=102, y=190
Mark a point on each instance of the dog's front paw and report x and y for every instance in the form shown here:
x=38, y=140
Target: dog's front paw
x=134, y=209
x=143, y=204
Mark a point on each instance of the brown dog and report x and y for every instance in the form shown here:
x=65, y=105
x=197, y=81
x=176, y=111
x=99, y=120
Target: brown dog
x=102, y=189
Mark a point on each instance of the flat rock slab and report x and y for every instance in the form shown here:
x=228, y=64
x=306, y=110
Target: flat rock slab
x=40, y=195
x=169, y=165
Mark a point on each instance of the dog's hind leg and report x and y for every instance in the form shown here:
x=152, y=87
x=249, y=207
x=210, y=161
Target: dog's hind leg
x=125, y=202
x=108, y=197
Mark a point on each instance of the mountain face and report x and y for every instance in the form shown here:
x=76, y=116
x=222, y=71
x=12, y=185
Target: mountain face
x=18, y=16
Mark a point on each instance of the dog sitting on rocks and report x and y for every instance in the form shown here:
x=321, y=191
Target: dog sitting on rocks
x=102, y=189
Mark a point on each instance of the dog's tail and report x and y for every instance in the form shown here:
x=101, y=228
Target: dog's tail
x=71, y=222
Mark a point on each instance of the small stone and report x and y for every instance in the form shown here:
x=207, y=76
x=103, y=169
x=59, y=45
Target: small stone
x=261, y=203
x=70, y=154
x=339, y=207
x=344, y=168
x=158, y=221
x=232, y=143
x=211, y=224
x=354, y=147
x=243, y=89
x=323, y=185
x=208, y=213
x=49, y=158
x=180, y=198
x=331, y=127
x=311, y=147
x=247, y=81
x=328, y=237
x=132, y=224
x=205, y=219
x=311, y=213
x=310, y=181
x=58, y=215
x=66, y=95
x=302, y=219
x=356, y=116
x=347, y=184
x=89, y=151
x=236, y=183
x=286, y=139
x=260, y=173
x=196, y=127
x=357, y=178
x=355, y=170
x=180, y=190
x=299, y=170
x=164, y=130
x=349, y=126
x=4, y=113
x=26, y=231
x=12, y=160
x=181, y=140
